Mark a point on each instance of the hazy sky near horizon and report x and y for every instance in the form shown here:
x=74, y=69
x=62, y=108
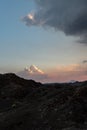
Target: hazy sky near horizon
x=50, y=34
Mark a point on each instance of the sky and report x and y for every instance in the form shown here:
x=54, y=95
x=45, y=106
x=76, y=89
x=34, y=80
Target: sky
x=44, y=40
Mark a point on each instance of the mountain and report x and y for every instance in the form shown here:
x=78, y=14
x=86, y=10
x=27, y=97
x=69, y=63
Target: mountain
x=28, y=105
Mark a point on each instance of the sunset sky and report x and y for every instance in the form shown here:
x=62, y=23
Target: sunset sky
x=45, y=40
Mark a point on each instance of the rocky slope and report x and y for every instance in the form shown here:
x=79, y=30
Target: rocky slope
x=27, y=105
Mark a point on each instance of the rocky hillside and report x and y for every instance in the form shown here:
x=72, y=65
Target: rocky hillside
x=28, y=105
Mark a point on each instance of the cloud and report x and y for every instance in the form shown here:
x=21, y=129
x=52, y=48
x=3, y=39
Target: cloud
x=84, y=61
x=69, y=72
x=69, y=16
x=33, y=73
x=58, y=74
x=34, y=70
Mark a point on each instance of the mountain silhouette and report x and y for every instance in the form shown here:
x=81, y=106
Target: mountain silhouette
x=28, y=105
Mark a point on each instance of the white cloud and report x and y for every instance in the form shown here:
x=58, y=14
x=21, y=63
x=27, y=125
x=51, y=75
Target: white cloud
x=34, y=73
x=34, y=70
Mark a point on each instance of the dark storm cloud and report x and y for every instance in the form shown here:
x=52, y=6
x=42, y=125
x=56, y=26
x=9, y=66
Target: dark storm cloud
x=84, y=61
x=69, y=16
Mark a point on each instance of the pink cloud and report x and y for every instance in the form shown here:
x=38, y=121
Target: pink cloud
x=58, y=74
x=68, y=73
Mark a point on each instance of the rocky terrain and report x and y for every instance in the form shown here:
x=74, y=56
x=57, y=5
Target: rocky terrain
x=28, y=105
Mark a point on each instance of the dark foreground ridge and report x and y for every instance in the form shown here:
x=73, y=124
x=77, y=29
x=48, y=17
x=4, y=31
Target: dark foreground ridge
x=28, y=105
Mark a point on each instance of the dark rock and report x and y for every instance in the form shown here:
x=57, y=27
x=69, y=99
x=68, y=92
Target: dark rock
x=28, y=105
